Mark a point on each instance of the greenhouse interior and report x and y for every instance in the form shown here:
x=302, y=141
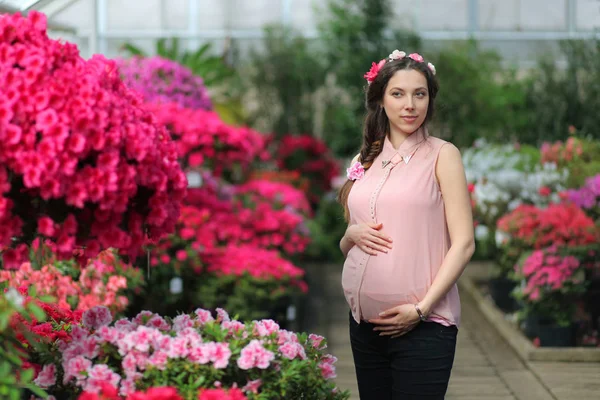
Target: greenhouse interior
x=234, y=199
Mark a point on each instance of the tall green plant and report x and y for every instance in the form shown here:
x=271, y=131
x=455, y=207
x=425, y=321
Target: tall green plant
x=283, y=77
x=202, y=62
x=562, y=97
x=478, y=97
x=356, y=33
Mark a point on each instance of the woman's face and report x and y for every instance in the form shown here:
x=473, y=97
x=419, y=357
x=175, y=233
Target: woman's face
x=406, y=101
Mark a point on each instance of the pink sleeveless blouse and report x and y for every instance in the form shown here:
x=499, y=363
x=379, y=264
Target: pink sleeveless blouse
x=401, y=191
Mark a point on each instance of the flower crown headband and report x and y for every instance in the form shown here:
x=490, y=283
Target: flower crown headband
x=396, y=55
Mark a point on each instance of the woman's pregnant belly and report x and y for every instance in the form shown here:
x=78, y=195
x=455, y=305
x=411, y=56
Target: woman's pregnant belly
x=386, y=282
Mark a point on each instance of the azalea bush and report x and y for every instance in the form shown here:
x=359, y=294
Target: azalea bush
x=201, y=265
x=83, y=163
x=588, y=197
x=579, y=155
x=104, y=280
x=312, y=158
x=502, y=177
x=205, y=141
x=553, y=282
x=529, y=227
x=162, y=81
x=192, y=353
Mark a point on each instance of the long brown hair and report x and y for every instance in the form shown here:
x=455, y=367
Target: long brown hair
x=376, y=124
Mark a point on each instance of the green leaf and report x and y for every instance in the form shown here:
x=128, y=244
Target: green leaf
x=27, y=375
x=37, y=312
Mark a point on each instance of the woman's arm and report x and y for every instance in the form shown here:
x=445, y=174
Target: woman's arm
x=346, y=244
x=459, y=217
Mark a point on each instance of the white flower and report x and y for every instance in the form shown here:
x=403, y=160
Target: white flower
x=431, y=67
x=15, y=298
x=481, y=232
x=397, y=54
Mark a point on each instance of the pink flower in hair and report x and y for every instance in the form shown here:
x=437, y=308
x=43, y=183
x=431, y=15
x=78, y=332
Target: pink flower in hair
x=356, y=171
x=372, y=74
x=416, y=56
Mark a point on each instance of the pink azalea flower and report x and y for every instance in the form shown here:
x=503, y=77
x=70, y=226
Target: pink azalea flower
x=316, y=341
x=356, y=171
x=254, y=355
x=374, y=71
x=416, y=56
x=47, y=377
x=266, y=327
x=96, y=317
x=252, y=386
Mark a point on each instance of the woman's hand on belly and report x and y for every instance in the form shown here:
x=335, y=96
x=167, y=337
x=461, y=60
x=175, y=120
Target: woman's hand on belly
x=397, y=321
x=369, y=238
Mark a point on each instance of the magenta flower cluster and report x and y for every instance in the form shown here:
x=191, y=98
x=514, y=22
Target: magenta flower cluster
x=160, y=80
x=588, y=196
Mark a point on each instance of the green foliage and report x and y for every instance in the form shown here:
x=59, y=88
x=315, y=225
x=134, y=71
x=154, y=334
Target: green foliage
x=326, y=229
x=251, y=298
x=478, y=97
x=284, y=77
x=355, y=34
x=559, y=98
x=213, y=69
x=14, y=379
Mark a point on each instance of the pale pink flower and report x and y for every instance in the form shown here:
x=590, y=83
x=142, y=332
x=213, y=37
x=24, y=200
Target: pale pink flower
x=101, y=374
x=77, y=367
x=127, y=387
x=96, y=317
x=159, y=360
x=203, y=316
x=416, y=56
x=222, y=315
x=143, y=317
x=397, y=54
x=181, y=322
x=178, y=348
x=90, y=347
x=254, y=355
x=125, y=325
x=159, y=323
x=286, y=336
x=219, y=354
x=109, y=334
x=265, y=327
x=252, y=386
x=292, y=350
x=327, y=370
x=316, y=341
x=233, y=326
x=356, y=171
x=78, y=333
x=199, y=354
x=46, y=377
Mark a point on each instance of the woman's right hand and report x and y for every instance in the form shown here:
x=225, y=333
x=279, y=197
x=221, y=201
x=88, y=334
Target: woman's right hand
x=369, y=238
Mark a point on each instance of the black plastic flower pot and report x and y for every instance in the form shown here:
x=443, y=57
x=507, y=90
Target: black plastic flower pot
x=554, y=335
x=500, y=290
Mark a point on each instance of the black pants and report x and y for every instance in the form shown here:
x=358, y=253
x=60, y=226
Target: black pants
x=415, y=366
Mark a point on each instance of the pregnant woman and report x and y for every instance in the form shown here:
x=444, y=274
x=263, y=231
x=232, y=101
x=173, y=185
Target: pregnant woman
x=409, y=238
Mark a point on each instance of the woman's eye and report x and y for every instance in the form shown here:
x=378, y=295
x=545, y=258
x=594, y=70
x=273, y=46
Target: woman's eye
x=396, y=94
x=421, y=94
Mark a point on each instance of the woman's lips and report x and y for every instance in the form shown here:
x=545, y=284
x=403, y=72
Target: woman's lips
x=409, y=119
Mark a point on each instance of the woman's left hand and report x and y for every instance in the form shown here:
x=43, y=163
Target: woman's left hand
x=397, y=321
